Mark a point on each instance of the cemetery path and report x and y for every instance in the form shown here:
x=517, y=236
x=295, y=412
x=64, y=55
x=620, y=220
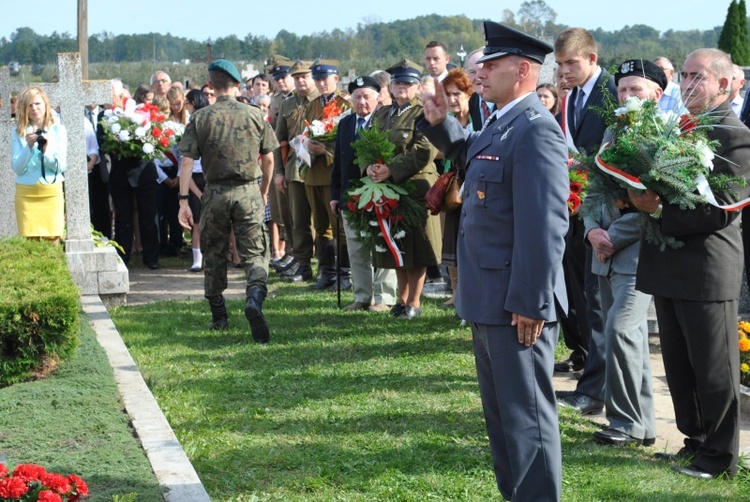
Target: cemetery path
x=179, y=284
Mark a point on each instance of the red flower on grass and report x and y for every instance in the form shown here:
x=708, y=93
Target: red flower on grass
x=3, y=470
x=81, y=488
x=29, y=472
x=13, y=488
x=49, y=496
x=57, y=482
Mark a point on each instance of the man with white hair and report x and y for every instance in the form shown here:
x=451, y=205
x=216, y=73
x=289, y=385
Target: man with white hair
x=479, y=109
x=696, y=287
x=160, y=83
x=738, y=83
x=672, y=97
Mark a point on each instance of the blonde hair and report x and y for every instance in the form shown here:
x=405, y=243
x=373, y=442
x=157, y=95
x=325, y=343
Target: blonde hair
x=176, y=93
x=162, y=103
x=578, y=40
x=22, y=110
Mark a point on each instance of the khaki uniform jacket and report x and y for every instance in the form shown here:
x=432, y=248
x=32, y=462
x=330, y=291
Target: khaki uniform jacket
x=291, y=122
x=320, y=172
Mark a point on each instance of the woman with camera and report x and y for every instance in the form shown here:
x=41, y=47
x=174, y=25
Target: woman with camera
x=39, y=158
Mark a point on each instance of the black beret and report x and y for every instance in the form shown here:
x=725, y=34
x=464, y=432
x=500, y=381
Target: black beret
x=362, y=82
x=641, y=68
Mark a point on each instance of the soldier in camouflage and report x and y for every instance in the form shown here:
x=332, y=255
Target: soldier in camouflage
x=228, y=137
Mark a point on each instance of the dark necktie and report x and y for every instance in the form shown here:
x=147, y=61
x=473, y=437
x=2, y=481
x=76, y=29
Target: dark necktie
x=360, y=125
x=578, y=106
x=485, y=111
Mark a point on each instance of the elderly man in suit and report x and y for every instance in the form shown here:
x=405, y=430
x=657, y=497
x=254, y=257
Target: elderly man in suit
x=613, y=232
x=697, y=286
x=576, y=55
x=510, y=246
x=374, y=290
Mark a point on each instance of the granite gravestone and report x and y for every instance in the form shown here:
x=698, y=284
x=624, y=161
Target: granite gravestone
x=96, y=270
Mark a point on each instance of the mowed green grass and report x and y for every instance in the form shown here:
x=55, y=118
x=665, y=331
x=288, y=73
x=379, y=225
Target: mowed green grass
x=73, y=423
x=354, y=406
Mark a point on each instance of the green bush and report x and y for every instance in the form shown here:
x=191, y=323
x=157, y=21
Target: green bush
x=38, y=308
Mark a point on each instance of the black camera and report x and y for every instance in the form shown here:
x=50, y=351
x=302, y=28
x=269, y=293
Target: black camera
x=40, y=140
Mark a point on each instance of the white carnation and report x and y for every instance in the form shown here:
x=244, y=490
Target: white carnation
x=108, y=113
x=364, y=233
x=400, y=234
x=116, y=128
x=705, y=156
x=148, y=148
x=373, y=223
x=124, y=136
x=317, y=128
x=380, y=249
x=633, y=104
x=140, y=132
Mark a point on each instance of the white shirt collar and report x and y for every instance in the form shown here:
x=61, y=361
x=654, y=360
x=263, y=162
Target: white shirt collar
x=588, y=87
x=505, y=109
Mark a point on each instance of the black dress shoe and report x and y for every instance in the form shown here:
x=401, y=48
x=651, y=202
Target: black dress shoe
x=584, y=405
x=693, y=472
x=397, y=309
x=567, y=366
x=410, y=312
x=153, y=266
x=682, y=454
x=323, y=282
x=612, y=437
x=346, y=284
x=304, y=273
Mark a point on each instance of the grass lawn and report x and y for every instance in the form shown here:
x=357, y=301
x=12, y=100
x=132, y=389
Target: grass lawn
x=72, y=422
x=354, y=406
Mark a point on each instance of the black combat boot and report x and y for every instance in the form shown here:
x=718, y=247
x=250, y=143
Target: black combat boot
x=219, y=316
x=326, y=265
x=254, y=315
x=344, y=269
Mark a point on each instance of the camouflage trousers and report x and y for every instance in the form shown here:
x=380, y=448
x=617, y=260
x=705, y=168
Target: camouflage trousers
x=238, y=207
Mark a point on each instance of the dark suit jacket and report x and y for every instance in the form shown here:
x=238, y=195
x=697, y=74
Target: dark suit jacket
x=344, y=169
x=587, y=136
x=514, y=214
x=709, y=265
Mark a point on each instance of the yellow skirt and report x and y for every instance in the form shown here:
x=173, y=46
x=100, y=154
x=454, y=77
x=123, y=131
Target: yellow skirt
x=40, y=210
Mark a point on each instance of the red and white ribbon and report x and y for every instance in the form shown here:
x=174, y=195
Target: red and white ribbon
x=701, y=182
x=385, y=229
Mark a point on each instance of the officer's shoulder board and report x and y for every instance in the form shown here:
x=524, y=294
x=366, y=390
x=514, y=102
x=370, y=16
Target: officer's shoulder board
x=532, y=114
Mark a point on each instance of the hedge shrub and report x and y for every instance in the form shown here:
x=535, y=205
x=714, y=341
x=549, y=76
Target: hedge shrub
x=38, y=308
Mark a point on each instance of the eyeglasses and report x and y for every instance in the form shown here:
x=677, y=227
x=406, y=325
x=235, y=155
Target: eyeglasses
x=161, y=81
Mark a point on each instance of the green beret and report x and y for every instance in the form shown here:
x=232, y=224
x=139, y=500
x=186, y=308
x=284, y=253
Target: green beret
x=226, y=67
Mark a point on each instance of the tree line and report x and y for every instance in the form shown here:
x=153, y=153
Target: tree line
x=368, y=46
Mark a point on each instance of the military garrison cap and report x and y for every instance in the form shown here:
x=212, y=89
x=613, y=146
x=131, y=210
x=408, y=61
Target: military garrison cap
x=226, y=67
x=501, y=40
x=363, y=82
x=641, y=68
x=405, y=71
x=322, y=68
x=300, y=67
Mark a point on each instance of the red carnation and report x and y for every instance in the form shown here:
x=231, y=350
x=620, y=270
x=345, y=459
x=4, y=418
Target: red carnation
x=169, y=133
x=575, y=187
x=574, y=202
x=688, y=123
x=29, y=472
x=164, y=141
x=396, y=218
x=56, y=482
x=12, y=488
x=352, y=206
x=392, y=203
x=81, y=488
x=48, y=496
x=156, y=132
x=3, y=470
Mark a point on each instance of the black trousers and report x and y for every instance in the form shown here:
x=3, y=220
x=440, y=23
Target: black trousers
x=101, y=216
x=574, y=323
x=124, y=198
x=701, y=358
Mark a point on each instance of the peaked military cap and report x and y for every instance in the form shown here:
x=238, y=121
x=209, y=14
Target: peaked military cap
x=501, y=40
x=278, y=66
x=406, y=71
x=300, y=67
x=227, y=67
x=362, y=83
x=641, y=68
x=322, y=68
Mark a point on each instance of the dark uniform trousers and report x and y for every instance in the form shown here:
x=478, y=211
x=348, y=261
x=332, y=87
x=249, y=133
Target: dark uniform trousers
x=101, y=216
x=243, y=205
x=528, y=427
x=301, y=214
x=705, y=392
